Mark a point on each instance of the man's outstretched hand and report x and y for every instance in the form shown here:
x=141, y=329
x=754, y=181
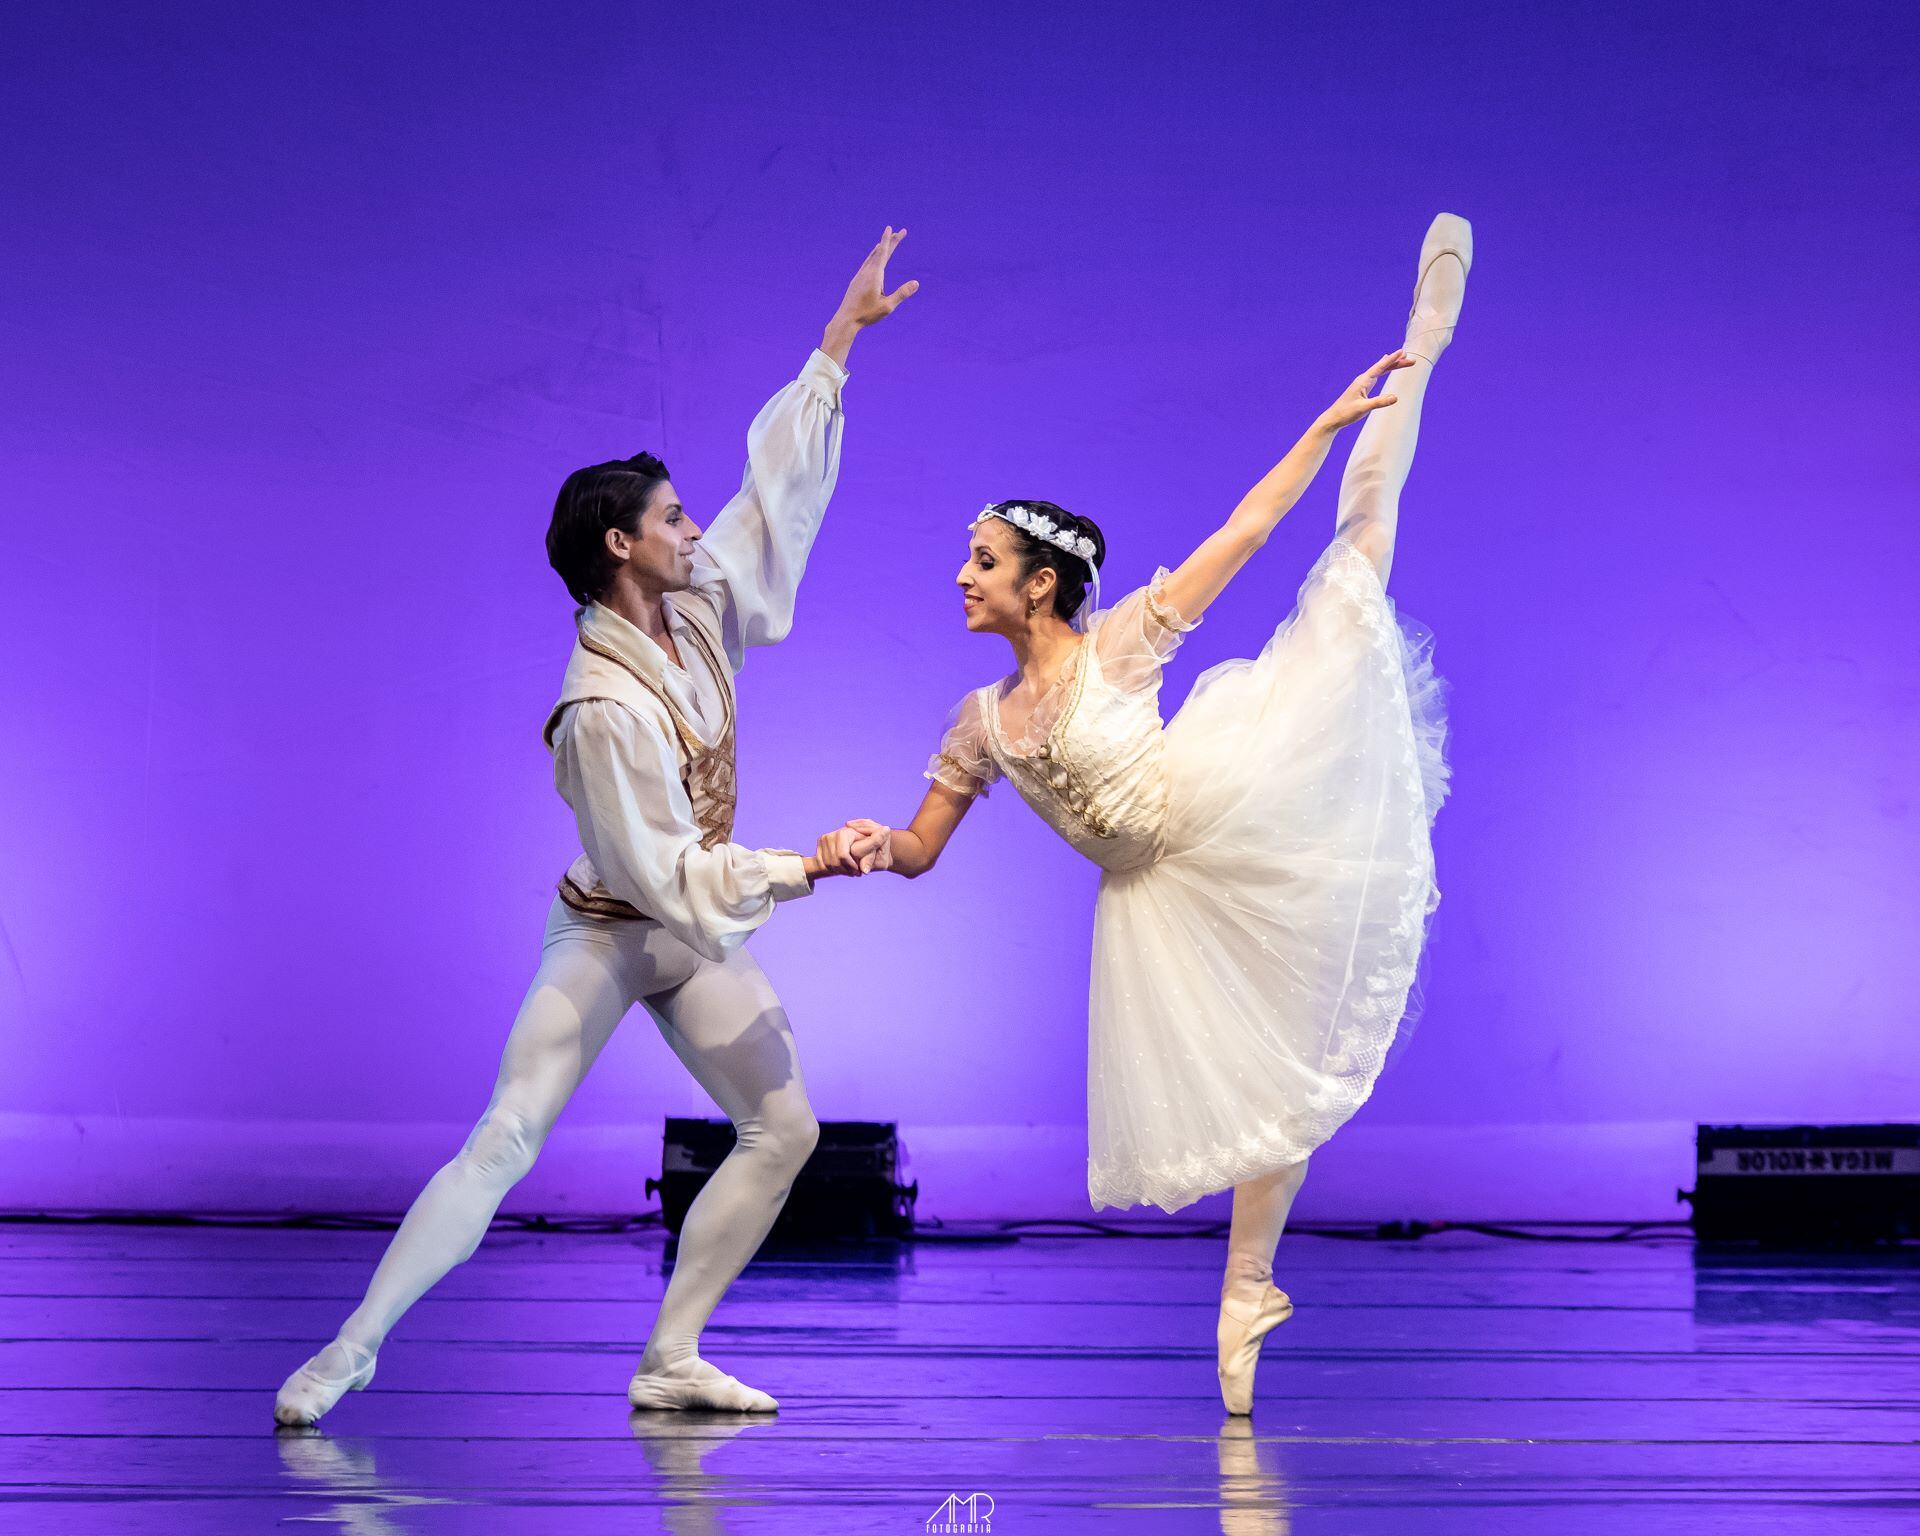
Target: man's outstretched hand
x=858, y=848
x=867, y=299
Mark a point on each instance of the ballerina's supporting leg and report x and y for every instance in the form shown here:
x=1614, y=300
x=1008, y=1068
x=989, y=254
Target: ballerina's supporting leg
x=1260, y=1210
x=1369, y=513
x=1250, y=1305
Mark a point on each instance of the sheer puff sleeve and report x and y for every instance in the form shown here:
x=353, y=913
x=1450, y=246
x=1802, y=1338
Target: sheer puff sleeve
x=1137, y=634
x=964, y=763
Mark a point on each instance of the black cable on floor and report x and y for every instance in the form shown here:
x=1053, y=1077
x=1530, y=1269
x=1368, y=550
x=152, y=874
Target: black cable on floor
x=319, y=1221
x=1387, y=1231
x=932, y=1231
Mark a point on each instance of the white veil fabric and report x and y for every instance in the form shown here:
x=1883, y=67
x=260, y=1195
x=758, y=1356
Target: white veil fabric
x=1092, y=605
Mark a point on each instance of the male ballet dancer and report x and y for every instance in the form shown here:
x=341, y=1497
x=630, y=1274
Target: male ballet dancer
x=657, y=908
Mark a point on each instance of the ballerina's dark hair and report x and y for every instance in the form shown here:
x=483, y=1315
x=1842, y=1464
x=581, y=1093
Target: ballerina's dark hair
x=592, y=500
x=1072, y=573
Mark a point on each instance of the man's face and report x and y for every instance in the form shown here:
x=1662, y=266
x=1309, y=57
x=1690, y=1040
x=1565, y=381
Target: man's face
x=659, y=556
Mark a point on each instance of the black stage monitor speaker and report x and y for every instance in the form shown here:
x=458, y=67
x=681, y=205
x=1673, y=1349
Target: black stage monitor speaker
x=1790, y=1186
x=850, y=1187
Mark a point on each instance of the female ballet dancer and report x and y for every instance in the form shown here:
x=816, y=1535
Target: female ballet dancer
x=657, y=909
x=1266, y=866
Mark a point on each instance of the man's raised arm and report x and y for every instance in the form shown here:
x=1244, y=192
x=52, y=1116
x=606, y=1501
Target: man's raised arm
x=758, y=544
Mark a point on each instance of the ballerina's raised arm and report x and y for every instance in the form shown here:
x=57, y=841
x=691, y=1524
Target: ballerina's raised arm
x=964, y=766
x=1204, y=574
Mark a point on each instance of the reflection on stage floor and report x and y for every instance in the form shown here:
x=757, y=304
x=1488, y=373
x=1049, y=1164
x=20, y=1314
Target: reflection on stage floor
x=1458, y=1384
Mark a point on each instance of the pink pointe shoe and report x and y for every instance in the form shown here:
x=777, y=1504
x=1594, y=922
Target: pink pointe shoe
x=1446, y=256
x=1238, y=1339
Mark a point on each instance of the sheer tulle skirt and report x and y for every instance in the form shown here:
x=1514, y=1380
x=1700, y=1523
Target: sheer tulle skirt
x=1247, y=986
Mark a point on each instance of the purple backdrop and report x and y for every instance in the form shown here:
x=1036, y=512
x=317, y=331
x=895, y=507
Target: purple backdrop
x=307, y=313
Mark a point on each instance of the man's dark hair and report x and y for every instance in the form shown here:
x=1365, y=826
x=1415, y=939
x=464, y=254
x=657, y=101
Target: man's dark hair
x=592, y=500
x=1073, y=573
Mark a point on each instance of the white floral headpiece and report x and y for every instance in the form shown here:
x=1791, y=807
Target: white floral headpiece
x=1032, y=520
x=1042, y=528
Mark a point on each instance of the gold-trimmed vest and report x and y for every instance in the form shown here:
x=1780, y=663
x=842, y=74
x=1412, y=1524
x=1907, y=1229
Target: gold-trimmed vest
x=605, y=665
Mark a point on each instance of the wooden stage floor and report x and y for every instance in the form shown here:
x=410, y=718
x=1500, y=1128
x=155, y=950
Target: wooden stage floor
x=1458, y=1384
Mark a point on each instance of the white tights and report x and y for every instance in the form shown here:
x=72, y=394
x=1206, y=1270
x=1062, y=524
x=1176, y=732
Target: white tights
x=1369, y=510
x=1260, y=1210
x=722, y=1020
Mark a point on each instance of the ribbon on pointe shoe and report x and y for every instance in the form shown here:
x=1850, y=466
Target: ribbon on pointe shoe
x=1448, y=235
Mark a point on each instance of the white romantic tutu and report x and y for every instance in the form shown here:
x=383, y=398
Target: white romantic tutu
x=1247, y=985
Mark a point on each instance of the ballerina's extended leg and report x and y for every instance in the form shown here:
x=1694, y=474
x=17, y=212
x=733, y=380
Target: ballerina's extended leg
x=1369, y=512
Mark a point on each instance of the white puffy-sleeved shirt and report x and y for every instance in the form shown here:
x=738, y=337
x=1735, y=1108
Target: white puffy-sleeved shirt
x=620, y=773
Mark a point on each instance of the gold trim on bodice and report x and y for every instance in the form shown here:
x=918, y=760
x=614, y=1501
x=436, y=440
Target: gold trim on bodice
x=1056, y=770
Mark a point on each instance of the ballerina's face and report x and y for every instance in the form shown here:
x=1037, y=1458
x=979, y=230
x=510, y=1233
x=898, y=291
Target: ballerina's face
x=994, y=596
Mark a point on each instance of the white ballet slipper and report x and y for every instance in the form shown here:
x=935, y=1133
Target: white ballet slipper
x=694, y=1384
x=340, y=1368
x=1238, y=1337
x=1437, y=296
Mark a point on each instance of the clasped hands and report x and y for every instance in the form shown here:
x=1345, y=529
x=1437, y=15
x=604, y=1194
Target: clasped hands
x=858, y=848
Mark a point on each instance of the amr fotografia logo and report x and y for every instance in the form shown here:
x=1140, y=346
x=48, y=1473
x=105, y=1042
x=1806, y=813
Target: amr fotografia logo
x=973, y=1513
